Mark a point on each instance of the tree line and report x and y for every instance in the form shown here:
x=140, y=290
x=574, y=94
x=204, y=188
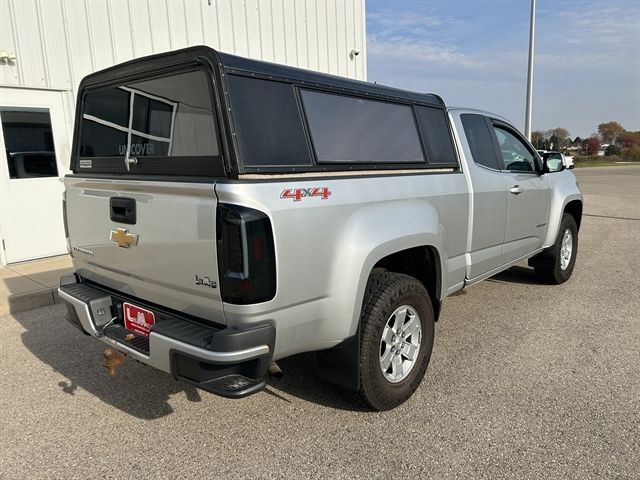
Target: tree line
x=620, y=142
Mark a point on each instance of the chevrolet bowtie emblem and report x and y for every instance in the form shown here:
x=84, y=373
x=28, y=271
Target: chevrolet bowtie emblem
x=123, y=237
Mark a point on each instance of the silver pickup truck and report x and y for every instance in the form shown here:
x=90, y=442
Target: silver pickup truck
x=224, y=213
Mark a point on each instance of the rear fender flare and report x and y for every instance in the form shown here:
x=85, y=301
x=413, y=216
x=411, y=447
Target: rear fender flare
x=373, y=233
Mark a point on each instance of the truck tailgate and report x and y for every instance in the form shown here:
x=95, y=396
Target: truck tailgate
x=163, y=253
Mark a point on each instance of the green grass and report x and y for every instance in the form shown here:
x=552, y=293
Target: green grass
x=612, y=161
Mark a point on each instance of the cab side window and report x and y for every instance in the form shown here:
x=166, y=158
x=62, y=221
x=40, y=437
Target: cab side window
x=515, y=154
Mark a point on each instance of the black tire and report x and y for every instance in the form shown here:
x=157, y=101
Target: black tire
x=385, y=293
x=549, y=267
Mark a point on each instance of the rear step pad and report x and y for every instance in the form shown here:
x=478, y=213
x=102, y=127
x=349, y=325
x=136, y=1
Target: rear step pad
x=233, y=386
x=118, y=333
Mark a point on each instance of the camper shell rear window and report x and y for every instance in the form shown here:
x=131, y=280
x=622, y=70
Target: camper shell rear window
x=162, y=125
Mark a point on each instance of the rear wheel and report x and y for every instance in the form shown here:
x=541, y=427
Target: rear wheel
x=397, y=327
x=557, y=263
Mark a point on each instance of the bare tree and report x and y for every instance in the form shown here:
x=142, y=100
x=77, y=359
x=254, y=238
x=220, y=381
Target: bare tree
x=560, y=138
x=538, y=138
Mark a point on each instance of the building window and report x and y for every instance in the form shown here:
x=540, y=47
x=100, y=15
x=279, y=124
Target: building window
x=28, y=140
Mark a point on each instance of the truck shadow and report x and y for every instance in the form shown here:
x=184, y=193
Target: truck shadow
x=137, y=389
x=140, y=390
x=301, y=380
x=517, y=274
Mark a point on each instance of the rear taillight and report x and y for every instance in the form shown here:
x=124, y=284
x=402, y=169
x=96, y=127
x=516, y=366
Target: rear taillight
x=246, y=258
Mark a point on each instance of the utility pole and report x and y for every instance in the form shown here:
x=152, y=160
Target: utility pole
x=532, y=32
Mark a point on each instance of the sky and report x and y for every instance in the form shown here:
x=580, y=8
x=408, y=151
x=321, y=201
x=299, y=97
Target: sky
x=475, y=54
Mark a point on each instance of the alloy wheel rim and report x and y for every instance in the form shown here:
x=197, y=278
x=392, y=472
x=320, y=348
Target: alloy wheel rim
x=400, y=343
x=566, y=249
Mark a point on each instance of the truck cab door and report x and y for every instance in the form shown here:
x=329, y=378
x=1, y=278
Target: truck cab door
x=488, y=202
x=528, y=193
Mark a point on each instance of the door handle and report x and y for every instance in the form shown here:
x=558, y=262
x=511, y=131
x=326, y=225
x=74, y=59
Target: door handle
x=123, y=210
x=516, y=190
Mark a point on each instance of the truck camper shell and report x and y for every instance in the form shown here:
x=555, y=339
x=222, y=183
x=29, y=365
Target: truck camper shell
x=272, y=118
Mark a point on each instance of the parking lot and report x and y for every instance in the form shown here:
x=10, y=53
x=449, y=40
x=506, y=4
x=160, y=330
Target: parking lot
x=526, y=381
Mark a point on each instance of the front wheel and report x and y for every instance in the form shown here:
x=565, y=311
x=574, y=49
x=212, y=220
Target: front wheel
x=397, y=328
x=557, y=266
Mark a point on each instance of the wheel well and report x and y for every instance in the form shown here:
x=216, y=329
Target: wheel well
x=574, y=208
x=422, y=263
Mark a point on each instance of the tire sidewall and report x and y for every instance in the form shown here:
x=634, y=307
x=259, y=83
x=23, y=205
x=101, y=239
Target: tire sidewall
x=568, y=223
x=383, y=393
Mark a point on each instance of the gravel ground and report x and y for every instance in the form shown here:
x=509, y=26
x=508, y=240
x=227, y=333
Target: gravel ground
x=526, y=381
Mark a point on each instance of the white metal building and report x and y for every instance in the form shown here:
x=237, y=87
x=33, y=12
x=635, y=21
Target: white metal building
x=48, y=46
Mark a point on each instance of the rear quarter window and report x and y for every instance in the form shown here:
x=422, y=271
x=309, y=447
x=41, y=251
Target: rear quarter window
x=479, y=140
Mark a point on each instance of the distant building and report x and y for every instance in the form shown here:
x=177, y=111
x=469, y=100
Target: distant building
x=602, y=149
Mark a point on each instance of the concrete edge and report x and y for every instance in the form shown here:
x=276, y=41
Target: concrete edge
x=29, y=301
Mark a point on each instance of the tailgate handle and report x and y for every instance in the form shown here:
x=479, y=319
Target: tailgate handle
x=123, y=210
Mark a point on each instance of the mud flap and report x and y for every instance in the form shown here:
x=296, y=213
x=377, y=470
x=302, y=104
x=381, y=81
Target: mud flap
x=340, y=364
x=544, y=259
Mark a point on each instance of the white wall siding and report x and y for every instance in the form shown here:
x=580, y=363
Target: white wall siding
x=57, y=42
x=55, y=45
x=79, y=44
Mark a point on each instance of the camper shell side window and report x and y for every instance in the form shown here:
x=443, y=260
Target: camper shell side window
x=281, y=125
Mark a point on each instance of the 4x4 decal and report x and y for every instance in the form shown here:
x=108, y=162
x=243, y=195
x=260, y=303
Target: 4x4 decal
x=298, y=194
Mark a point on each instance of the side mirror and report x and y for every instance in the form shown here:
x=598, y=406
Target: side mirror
x=553, y=164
